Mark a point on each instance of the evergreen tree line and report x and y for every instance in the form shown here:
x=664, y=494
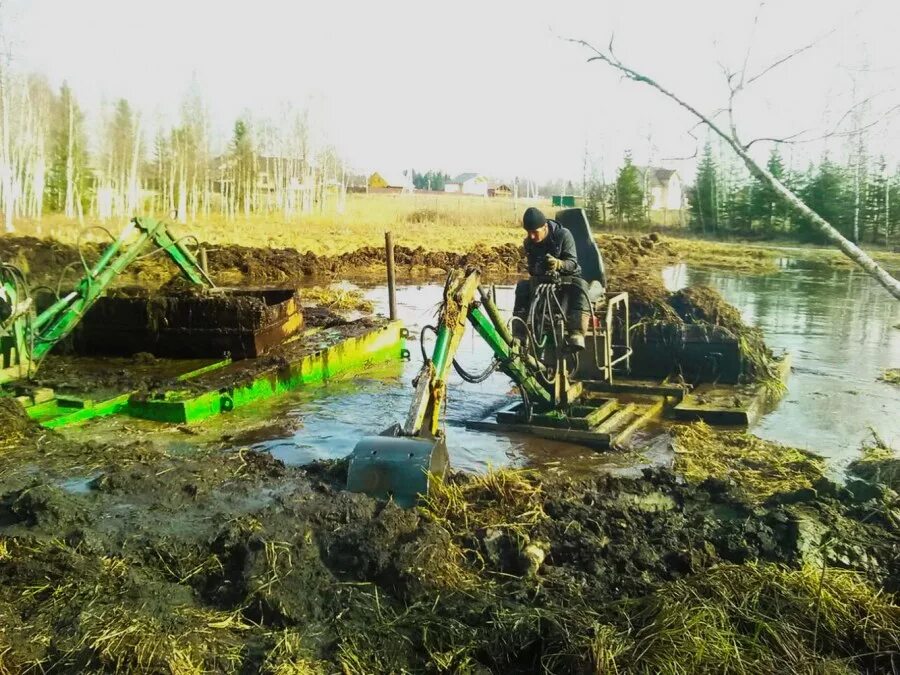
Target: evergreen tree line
x=50, y=161
x=860, y=198
x=430, y=180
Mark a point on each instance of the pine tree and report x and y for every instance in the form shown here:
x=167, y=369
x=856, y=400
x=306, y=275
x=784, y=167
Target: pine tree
x=829, y=193
x=703, y=197
x=595, y=202
x=767, y=209
x=874, y=207
x=628, y=197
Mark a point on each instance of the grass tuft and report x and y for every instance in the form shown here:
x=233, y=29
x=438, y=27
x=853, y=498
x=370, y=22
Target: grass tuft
x=501, y=498
x=756, y=618
x=891, y=376
x=337, y=299
x=757, y=468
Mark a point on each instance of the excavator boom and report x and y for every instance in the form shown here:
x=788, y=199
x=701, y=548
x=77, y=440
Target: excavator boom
x=25, y=339
x=400, y=462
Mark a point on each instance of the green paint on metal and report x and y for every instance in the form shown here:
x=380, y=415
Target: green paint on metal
x=441, y=347
x=64, y=411
x=181, y=407
x=205, y=369
x=510, y=365
x=54, y=414
x=55, y=323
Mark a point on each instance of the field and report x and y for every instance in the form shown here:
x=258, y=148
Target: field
x=435, y=222
x=438, y=223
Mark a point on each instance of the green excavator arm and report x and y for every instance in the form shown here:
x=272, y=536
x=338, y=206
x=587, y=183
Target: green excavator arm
x=400, y=462
x=25, y=339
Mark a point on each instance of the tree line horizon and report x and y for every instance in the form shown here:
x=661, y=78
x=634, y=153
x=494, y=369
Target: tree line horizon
x=48, y=165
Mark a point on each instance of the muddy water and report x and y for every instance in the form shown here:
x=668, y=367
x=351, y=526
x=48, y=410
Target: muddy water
x=840, y=328
x=837, y=325
x=332, y=418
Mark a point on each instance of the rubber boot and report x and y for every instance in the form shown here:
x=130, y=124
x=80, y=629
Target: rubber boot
x=578, y=326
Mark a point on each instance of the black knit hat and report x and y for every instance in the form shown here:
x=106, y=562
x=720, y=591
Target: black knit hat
x=533, y=219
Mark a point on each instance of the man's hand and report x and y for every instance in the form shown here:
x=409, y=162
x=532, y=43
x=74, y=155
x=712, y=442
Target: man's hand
x=552, y=264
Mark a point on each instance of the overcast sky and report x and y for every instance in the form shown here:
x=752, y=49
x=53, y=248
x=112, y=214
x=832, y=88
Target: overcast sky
x=474, y=85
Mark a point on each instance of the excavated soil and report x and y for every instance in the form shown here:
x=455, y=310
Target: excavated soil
x=232, y=562
x=44, y=260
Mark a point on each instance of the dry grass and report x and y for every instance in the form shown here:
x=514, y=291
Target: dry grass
x=879, y=463
x=435, y=222
x=95, y=613
x=891, y=376
x=336, y=298
x=753, y=619
x=501, y=498
x=757, y=468
x=731, y=256
x=288, y=656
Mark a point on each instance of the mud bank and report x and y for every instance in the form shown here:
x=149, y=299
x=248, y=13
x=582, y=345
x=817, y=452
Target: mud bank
x=45, y=259
x=232, y=562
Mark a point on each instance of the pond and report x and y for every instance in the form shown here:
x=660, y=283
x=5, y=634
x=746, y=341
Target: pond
x=838, y=325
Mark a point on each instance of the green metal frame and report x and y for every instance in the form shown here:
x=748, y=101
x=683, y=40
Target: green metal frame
x=183, y=407
x=383, y=343
x=29, y=341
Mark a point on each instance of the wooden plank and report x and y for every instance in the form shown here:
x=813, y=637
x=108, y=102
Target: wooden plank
x=617, y=418
x=589, y=438
x=601, y=413
x=636, y=387
x=646, y=414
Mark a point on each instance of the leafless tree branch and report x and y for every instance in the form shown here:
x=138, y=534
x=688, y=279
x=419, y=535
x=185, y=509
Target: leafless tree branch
x=790, y=55
x=850, y=249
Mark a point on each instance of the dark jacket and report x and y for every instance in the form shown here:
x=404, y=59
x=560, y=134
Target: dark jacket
x=560, y=244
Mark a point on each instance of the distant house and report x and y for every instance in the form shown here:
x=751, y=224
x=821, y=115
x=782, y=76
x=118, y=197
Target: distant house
x=468, y=184
x=390, y=182
x=663, y=187
x=499, y=190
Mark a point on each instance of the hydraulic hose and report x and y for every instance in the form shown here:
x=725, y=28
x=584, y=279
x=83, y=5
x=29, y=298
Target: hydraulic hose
x=462, y=372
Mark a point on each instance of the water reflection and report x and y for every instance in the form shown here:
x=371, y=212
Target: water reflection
x=839, y=327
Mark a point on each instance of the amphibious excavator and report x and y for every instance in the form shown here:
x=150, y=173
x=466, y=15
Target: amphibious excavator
x=27, y=335
x=560, y=391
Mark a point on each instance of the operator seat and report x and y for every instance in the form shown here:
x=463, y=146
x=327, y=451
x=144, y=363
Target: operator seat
x=592, y=268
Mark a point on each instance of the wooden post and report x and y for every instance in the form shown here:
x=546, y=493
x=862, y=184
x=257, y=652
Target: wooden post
x=392, y=285
x=204, y=262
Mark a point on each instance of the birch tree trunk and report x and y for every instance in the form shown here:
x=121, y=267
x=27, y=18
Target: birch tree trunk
x=70, y=163
x=6, y=159
x=849, y=249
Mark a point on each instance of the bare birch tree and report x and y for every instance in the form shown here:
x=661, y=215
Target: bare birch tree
x=737, y=83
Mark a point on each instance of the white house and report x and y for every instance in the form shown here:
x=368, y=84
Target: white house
x=663, y=187
x=468, y=184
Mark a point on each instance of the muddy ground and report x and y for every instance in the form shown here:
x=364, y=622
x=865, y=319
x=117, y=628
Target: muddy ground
x=121, y=557
x=215, y=561
x=45, y=259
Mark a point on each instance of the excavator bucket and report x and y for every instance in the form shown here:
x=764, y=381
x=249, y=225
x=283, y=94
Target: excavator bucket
x=395, y=466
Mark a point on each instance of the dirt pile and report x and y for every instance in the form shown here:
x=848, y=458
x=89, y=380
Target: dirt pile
x=681, y=332
x=45, y=261
x=14, y=423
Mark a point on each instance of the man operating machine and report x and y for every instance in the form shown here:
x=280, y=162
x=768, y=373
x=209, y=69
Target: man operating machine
x=551, y=252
